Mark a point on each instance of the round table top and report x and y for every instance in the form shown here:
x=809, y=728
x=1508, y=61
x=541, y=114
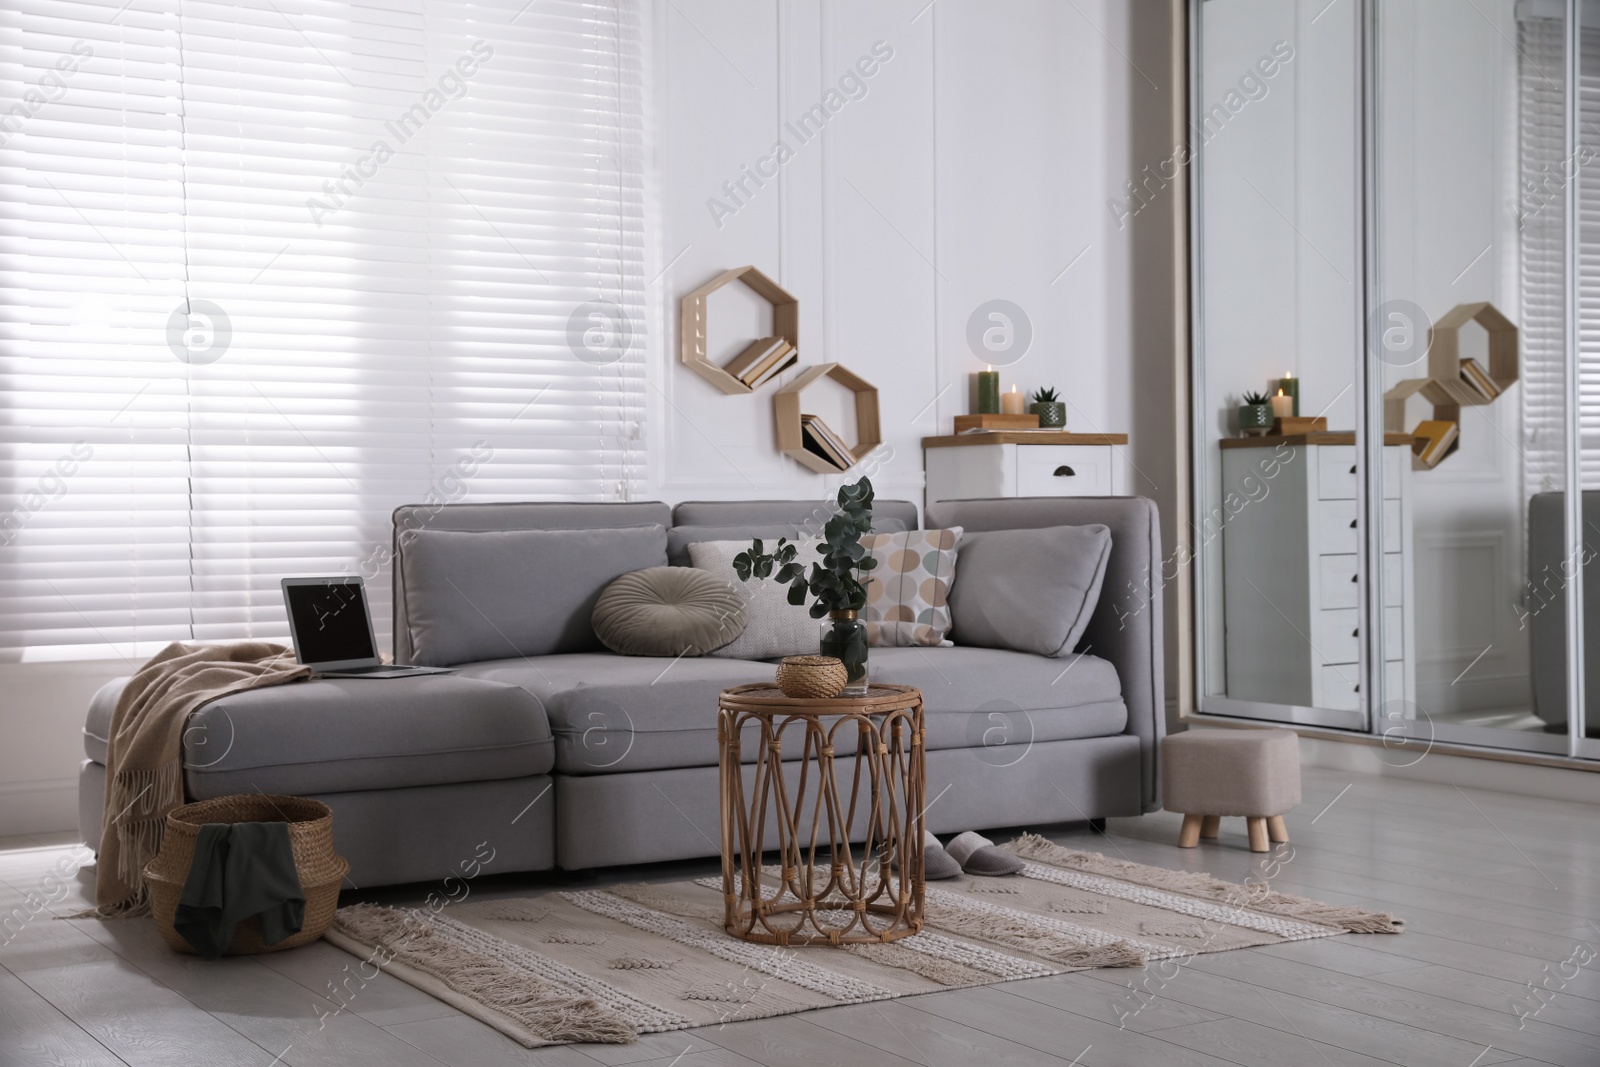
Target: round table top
x=765, y=697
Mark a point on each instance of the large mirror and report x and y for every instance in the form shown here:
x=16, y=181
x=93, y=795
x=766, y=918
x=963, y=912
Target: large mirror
x=1381, y=227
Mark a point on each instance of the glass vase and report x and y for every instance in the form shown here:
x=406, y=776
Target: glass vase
x=844, y=637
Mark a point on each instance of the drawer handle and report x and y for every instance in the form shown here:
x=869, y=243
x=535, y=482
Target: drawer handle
x=1065, y=471
x=1353, y=577
x=1352, y=468
x=1352, y=524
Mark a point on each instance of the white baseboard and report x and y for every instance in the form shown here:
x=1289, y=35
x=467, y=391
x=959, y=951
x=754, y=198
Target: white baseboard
x=42, y=806
x=1551, y=783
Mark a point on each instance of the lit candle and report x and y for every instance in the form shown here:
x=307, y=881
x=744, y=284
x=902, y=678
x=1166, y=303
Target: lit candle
x=989, y=392
x=1282, y=405
x=1011, y=403
x=1289, y=385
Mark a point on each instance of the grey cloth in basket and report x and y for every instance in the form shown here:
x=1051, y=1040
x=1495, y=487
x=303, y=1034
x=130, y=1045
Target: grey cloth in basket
x=1028, y=590
x=239, y=870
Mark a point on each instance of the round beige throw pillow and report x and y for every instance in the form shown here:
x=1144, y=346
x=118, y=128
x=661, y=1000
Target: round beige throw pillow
x=668, y=611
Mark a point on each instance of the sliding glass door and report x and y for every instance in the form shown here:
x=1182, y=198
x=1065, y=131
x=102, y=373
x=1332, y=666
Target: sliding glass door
x=1398, y=230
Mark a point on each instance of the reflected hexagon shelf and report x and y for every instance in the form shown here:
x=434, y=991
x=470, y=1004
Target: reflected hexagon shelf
x=1444, y=387
x=692, y=322
x=791, y=421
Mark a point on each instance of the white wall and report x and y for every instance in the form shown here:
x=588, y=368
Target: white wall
x=978, y=164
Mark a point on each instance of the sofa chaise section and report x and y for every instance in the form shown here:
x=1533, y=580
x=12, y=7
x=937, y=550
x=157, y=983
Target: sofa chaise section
x=416, y=770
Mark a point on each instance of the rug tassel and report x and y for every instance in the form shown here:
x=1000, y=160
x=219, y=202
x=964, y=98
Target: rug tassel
x=538, y=1006
x=1348, y=917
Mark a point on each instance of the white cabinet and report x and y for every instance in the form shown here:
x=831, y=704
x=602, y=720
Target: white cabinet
x=1005, y=463
x=1289, y=581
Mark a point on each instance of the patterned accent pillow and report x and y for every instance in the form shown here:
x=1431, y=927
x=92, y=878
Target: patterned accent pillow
x=908, y=593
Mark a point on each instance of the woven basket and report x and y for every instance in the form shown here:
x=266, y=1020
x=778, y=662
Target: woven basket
x=321, y=870
x=811, y=677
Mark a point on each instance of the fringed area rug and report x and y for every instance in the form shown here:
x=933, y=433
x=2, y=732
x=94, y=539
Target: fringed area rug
x=608, y=965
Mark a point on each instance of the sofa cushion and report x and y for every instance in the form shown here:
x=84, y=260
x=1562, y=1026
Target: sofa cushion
x=679, y=538
x=776, y=627
x=908, y=592
x=335, y=735
x=888, y=516
x=486, y=595
x=1029, y=590
x=614, y=714
x=668, y=611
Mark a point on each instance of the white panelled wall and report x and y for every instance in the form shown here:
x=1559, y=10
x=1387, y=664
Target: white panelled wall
x=968, y=154
x=986, y=156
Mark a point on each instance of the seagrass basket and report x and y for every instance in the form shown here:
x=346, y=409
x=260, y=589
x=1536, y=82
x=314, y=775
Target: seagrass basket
x=321, y=869
x=811, y=677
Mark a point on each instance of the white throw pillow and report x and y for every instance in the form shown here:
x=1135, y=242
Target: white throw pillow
x=777, y=628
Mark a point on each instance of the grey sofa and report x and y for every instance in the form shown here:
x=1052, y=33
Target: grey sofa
x=582, y=758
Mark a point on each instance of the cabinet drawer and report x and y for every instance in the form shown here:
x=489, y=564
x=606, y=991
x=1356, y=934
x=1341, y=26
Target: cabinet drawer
x=1339, y=685
x=1336, y=471
x=1337, y=530
x=1063, y=470
x=1338, y=635
x=1336, y=581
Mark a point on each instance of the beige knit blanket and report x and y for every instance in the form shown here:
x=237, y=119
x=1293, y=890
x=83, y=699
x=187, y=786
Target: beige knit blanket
x=144, y=764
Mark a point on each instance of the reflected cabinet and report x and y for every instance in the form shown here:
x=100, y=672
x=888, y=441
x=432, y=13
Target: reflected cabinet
x=1395, y=287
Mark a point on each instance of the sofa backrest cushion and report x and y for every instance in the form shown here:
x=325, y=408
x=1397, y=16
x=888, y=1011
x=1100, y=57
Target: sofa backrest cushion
x=679, y=538
x=499, y=594
x=538, y=515
x=888, y=516
x=1029, y=590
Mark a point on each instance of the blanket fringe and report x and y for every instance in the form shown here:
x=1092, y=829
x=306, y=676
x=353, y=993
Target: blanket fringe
x=1348, y=917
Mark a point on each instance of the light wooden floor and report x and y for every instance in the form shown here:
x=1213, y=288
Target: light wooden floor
x=1497, y=891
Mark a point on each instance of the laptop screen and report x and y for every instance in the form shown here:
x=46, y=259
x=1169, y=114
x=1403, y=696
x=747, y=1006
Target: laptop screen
x=330, y=621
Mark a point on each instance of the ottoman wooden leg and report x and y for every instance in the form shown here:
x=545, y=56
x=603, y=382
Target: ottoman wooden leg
x=1258, y=833
x=1210, y=826
x=1277, y=829
x=1189, y=836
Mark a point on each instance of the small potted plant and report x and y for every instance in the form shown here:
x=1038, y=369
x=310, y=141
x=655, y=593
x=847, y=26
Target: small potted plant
x=1255, y=414
x=837, y=583
x=1051, y=410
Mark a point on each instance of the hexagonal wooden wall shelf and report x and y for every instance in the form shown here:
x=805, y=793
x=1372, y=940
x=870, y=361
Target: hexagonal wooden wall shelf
x=791, y=420
x=692, y=324
x=1443, y=387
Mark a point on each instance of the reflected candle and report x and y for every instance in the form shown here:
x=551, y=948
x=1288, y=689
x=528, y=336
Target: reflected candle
x=1282, y=405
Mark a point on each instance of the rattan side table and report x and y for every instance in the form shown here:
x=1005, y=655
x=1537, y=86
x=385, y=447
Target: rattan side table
x=824, y=890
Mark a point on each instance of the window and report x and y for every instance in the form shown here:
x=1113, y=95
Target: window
x=272, y=270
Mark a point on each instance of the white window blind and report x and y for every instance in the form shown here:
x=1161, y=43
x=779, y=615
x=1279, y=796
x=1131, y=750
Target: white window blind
x=274, y=268
x=1545, y=170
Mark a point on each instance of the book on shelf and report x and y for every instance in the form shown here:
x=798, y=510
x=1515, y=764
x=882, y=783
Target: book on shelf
x=819, y=438
x=1473, y=374
x=787, y=358
x=756, y=354
x=1433, y=439
x=761, y=360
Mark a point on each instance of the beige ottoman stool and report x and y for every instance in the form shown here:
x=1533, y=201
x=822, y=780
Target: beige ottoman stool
x=1209, y=773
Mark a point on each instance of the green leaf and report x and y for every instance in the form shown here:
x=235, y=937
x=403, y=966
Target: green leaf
x=797, y=593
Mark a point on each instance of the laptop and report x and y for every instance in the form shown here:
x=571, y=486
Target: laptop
x=332, y=630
